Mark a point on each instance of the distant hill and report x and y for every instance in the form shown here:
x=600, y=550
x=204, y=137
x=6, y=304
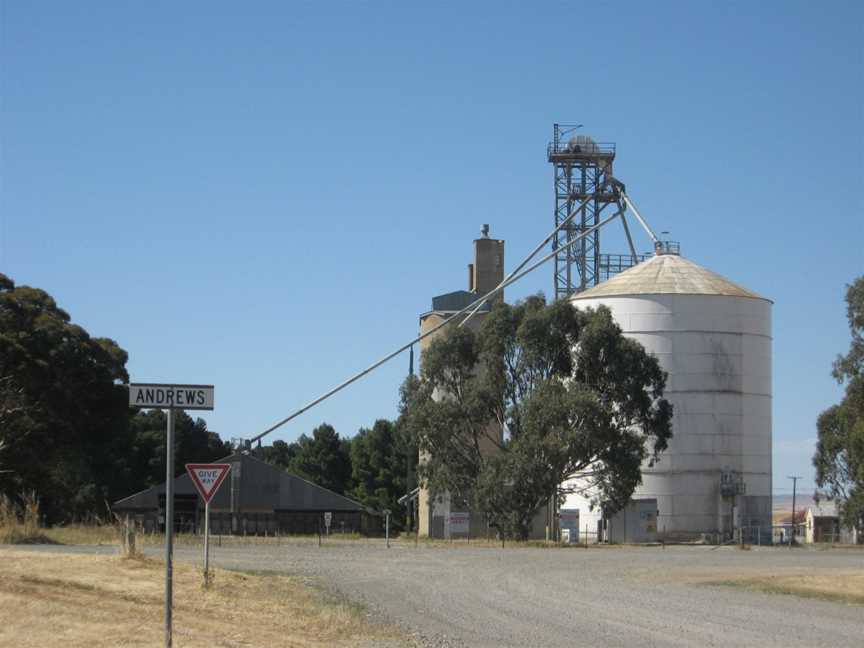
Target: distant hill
x=783, y=503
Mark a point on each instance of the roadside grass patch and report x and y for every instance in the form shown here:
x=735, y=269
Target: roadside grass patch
x=838, y=587
x=20, y=524
x=95, y=534
x=79, y=600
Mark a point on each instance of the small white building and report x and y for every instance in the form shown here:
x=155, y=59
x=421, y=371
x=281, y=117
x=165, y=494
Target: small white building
x=822, y=524
x=713, y=338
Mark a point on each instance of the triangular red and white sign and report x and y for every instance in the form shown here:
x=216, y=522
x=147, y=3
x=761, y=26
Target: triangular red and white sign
x=207, y=478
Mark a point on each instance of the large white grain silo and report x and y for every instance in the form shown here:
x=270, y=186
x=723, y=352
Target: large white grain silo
x=713, y=337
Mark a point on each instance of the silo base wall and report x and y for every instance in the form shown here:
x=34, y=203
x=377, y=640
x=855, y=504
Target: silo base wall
x=757, y=511
x=703, y=515
x=716, y=350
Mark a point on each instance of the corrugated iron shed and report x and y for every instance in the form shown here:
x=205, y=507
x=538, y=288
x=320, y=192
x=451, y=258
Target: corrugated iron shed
x=262, y=487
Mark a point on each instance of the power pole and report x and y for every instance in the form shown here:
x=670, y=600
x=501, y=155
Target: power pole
x=794, y=527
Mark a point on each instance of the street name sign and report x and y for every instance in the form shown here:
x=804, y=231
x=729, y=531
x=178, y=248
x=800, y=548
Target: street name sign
x=158, y=396
x=173, y=398
x=207, y=478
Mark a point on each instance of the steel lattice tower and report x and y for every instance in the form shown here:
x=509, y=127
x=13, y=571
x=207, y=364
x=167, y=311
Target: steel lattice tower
x=581, y=167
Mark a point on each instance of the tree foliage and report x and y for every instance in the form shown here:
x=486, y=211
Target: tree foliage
x=839, y=457
x=324, y=459
x=64, y=406
x=380, y=459
x=374, y=467
x=66, y=431
x=280, y=453
x=193, y=443
x=571, y=394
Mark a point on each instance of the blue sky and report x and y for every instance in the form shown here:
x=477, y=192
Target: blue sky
x=265, y=195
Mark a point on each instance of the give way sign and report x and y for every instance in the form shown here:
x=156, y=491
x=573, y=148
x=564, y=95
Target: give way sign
x=207, y=478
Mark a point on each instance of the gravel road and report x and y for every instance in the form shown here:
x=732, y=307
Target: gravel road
x=487, y=597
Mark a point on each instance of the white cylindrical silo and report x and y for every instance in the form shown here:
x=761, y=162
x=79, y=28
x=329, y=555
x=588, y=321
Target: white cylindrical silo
x=713, y=337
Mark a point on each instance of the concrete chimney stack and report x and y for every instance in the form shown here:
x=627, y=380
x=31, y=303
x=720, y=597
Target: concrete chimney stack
x=488, y=266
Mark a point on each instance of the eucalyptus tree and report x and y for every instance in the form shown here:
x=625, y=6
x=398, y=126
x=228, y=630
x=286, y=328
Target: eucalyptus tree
x=64, y=408
x=504, y=416
x=839, y=457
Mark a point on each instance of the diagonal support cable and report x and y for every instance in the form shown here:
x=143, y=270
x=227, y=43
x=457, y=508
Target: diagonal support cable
x=638, y=216
x=513, y=278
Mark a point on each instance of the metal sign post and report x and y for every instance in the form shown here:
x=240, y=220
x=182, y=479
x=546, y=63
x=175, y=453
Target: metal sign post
x=207, y=478
x=206, y=545
x=171, y=398
x=169, y=529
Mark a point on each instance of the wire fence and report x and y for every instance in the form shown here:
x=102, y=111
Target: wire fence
x=786, y=534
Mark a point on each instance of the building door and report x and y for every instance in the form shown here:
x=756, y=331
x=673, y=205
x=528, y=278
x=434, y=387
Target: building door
x=642, y=520
x=437, y=530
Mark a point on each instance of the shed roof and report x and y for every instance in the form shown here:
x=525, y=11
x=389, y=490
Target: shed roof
x=667, y=274
x=825, y=508
x=262, y=485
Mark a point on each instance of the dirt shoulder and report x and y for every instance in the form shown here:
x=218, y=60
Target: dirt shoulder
x=51, y=599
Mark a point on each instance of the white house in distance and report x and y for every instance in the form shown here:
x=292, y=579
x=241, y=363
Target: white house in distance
x=822, y=524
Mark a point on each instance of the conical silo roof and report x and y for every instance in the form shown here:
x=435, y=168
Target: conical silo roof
x=668, y=274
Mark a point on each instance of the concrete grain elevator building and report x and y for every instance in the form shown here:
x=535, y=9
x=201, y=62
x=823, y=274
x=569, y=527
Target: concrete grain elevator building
x=445, y=517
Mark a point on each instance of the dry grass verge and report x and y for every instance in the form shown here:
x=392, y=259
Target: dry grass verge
x=97, y=534
x=20, y=524
x=837, y=586
x=52, y=599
